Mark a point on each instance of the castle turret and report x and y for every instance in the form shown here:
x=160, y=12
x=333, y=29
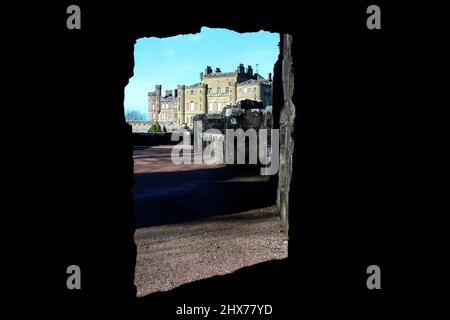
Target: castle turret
x=154, y=103
x=204, y=98
x=181, y=103
x=233, y=91
x=158, y=97
x=158, y=90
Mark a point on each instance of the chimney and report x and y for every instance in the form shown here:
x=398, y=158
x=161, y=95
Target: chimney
x=240, y=68
x=249, y=70
x=201, y=75
x=218, y=70
x=269, y=76
x=208, y=70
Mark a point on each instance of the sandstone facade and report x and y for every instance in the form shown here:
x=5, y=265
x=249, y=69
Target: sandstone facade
x=216, y=90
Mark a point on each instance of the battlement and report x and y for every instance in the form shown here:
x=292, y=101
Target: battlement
x=157, y=91
x=240, y=72
x=220, y=74
x=196, y=85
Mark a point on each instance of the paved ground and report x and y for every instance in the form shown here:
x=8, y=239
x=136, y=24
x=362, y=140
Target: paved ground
x=196, y=221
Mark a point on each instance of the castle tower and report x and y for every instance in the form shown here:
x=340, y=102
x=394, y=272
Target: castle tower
x=158, y=97
x=154, y=103
x=233, y=92
x=181, y=103
x=203, y=91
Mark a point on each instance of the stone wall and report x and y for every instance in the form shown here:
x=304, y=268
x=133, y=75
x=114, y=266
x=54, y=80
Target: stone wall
x=287, y=116
x=235, y=117
x=140, y=126
x=350, y=195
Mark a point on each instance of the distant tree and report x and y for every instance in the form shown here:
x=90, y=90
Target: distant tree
x=164, y=128
x=135, y=115
x=155, y=127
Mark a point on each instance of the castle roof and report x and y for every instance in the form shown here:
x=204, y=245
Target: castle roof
x=219, y=74
x=259, y=77
x=254, y=81
x=196, y=85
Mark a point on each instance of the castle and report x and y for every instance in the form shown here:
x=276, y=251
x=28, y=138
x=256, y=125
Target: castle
x=216, y=90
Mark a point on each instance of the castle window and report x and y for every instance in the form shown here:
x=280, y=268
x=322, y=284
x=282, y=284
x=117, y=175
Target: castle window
x=226, y=89
x=254, y=89
x=192, y=92
x=218, y=89
x=209, y=90
x=192, y=106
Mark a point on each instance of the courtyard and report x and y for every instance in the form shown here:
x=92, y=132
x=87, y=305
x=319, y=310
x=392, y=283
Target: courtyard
x=195, y=221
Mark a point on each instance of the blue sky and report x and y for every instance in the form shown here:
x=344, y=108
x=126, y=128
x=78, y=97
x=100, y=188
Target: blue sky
x=179, y=60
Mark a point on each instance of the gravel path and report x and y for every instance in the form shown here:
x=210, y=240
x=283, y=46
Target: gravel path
x=171, y=255
x=179, y=241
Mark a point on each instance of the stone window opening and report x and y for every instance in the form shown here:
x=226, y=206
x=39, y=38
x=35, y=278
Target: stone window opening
x=196, y=105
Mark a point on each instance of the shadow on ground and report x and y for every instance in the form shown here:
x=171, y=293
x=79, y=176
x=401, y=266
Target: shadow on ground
x=181, y=196
x=263, y=283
